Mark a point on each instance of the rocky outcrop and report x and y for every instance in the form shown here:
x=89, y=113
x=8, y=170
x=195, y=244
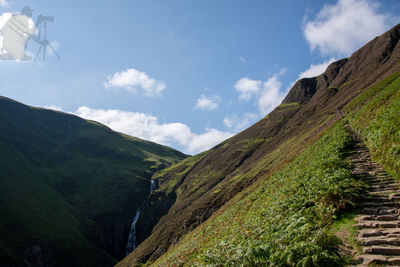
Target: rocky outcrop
x=302, y=91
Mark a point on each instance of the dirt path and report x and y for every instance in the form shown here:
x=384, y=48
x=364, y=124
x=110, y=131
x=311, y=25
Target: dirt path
x=378, y=221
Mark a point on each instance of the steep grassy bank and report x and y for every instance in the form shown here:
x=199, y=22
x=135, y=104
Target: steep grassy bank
x=286, y=219
x=69, y=188
x=201, y=190
x=377, y=117
x=283, y=220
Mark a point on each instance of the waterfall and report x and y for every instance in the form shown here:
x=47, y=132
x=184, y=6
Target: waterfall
x=153, y=186
x=132, y=235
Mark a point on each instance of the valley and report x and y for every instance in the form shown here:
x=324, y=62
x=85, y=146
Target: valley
x=308, y=176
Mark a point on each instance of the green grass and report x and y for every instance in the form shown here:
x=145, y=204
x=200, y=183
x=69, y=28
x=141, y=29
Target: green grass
x=344, y=229
x=174, y=172
x=70, y=183
x=283, y=222
x=378, y=122
x=294, y=217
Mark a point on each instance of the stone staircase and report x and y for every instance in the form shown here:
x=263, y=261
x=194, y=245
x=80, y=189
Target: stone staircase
x=378, y=220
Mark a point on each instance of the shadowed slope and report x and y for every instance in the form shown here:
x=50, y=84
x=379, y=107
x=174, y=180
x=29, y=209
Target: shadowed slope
x=69, y=187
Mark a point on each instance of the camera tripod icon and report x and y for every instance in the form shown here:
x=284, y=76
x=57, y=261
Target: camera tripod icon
x=42, y=24
x=19, y=29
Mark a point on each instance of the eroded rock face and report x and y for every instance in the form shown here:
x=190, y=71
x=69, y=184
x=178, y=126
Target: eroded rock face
x=206, y=185
x=302, y=91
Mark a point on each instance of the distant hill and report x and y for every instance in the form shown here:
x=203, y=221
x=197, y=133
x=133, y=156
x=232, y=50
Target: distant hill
x=69, y=188
x=267, y=196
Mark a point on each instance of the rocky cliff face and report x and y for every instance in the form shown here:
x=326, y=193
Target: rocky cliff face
x=196, y=188
x=302, y=91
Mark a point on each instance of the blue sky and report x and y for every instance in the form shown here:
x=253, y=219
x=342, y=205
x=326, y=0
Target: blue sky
x=185, y=73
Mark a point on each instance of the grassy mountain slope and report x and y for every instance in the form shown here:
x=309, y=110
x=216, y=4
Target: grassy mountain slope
x=69, y=187
x=376, y=115
x=285, y=219
x=269, y=154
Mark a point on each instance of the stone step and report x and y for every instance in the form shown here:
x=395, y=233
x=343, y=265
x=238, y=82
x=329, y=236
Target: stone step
x=359, y=159
x=365, y=217
x=369, y=233
x=361, y=218
x=391, y=231
x=380, y=187
x=359, y=166
x=382, y=250
x=368, y=259
x=393, y=235
x=377, y=173
x=379, y=218
x=383, y=175
x=394, y=261
x=378, y=199
x=377, y=224
x=381, y=240
x=387, y=204
x=384, y=192
x=387, y=218
x=380, y=183
x=376, y=179
x=377, y=211
x=385, y=189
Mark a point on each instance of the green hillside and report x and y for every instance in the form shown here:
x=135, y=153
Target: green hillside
x=285, y=219
x=69, y=188
x=270, y=195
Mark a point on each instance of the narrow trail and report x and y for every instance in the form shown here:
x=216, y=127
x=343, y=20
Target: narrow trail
x=378, y=221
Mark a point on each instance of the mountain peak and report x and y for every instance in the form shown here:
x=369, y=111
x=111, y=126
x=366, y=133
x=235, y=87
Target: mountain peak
x=302, y=91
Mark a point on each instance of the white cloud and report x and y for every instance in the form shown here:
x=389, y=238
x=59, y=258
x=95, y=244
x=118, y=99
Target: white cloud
x=207, y=140
x=316, y=69
x=54, y=107
x=4, y=3
x=207, y=103
x=267, y=95
x=312, y=71
x=271, y=96
x=242, y=59
x=341, y=28
x=237, y=123
x=229, y=122
x=247, y=88
x=148, y=127
x=134, y=80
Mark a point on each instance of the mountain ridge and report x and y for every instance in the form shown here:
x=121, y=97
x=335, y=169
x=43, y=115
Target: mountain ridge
x=199, y=187
x=69, y=187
